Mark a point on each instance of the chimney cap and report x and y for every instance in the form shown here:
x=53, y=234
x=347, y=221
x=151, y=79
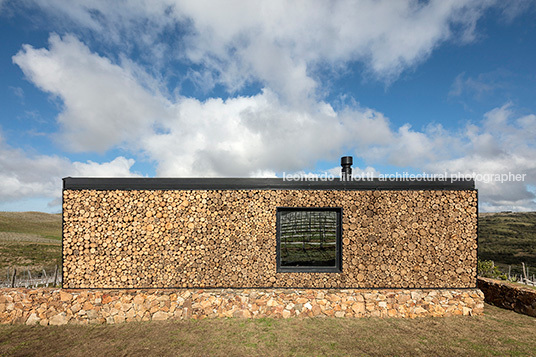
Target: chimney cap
x=347, y=160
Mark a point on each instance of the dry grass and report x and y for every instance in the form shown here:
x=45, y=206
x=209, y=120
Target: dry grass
x=29, y=239
x=499, y=332
x=33, y=223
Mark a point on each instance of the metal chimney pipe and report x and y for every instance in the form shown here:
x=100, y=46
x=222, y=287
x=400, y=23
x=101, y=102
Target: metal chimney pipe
x=346, y=171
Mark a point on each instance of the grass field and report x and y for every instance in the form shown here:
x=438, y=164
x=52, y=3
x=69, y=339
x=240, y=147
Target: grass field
x=30, y=240
x=497, y=333
x=34, y=223
x=508, y=239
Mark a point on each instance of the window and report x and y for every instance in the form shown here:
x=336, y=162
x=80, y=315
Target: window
x=309, y=239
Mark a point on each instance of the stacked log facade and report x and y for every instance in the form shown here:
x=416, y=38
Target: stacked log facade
x=226, y=238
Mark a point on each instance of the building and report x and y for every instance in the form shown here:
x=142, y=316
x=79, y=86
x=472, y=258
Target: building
x=249, y=233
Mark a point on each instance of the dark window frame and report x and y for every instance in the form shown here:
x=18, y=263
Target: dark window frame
x=310, y=269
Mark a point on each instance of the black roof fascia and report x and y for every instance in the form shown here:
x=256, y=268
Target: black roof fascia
x=117, y=183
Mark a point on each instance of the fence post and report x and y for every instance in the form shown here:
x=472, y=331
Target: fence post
x=55, y=276
x=13, y=277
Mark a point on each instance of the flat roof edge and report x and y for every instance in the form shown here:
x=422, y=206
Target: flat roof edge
x=144, y=183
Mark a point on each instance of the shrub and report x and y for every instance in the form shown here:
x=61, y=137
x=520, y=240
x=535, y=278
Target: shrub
x=487, y=269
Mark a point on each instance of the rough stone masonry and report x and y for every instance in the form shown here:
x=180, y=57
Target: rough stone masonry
x=57, y=307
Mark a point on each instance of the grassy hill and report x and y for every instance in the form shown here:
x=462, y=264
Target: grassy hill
x=33, y=223
x=30, y=240
x=508, y=239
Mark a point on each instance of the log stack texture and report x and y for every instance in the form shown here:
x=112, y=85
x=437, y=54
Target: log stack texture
x=227, y=238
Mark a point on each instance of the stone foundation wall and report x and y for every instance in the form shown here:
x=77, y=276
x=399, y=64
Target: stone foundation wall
x=227, y=238
x=509, y=296
x=57, y=307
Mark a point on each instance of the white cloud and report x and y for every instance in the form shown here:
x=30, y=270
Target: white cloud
x=118, y=167
x=104, y=104
x=388, y=36
x=500, y=145
x=255, y=135
x=410, y=148
x=24, y=175
x=287, y=127
x=480, y=86
x=512, y=9
x=275, y=42
x=243, y=135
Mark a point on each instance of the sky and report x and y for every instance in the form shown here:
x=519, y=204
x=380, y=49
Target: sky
x=171, y=88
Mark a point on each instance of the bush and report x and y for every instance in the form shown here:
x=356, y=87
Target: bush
x=487, y=269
